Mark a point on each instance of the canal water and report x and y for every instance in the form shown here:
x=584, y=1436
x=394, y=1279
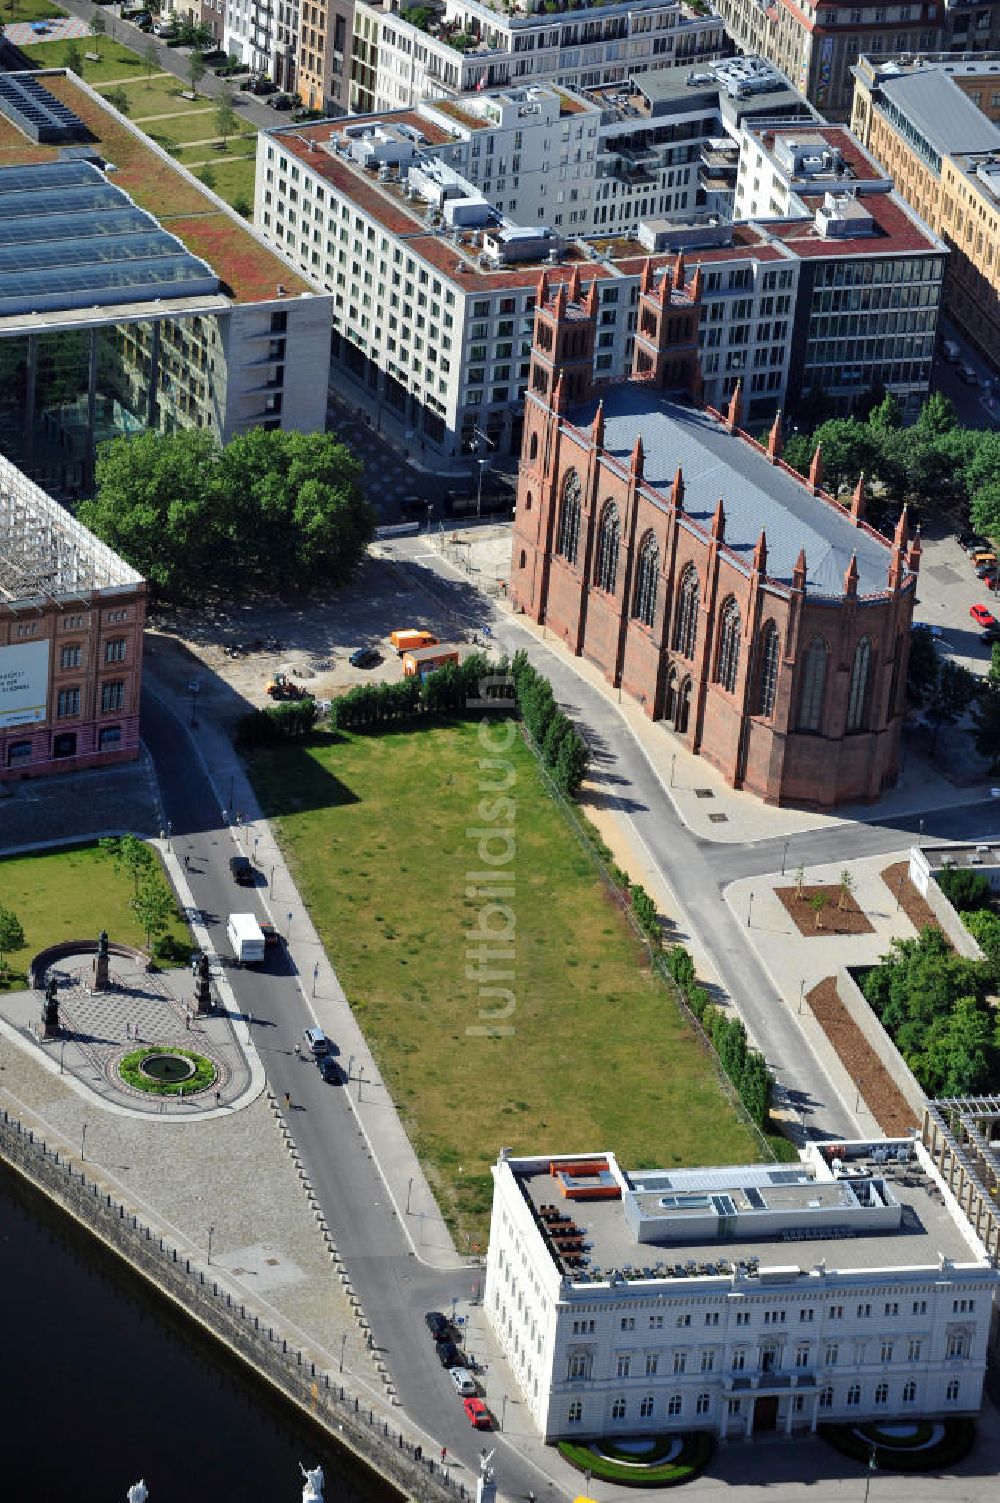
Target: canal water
x=102, y=1383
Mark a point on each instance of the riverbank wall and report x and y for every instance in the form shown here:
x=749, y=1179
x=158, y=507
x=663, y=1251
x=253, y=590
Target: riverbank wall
x=325, y=1397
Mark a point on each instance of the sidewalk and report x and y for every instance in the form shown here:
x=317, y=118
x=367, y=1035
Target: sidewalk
x=795, y=962
x=373, y=1108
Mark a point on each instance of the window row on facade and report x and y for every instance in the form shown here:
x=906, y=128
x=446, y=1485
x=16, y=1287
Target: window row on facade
x=677, y=1405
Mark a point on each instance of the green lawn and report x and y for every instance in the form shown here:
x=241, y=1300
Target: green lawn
x=116, y=61
x=598, y=1057
x=194, y=125
x=232, y=176
x=29, y=10
x=157, y=96
x=70, y=894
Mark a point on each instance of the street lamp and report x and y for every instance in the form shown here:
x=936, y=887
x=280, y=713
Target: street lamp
x=170, y=831
x=749, y=909
x=315, y=976
x=211, y=1232
x=83, y=1142
x=62, y=1057
x=194, y=688
x=343, y=1343
x=503, y=1411
x=288, y=930
x=784, y=853
x=483, y=464
x=409, y=1188
x=802, y=992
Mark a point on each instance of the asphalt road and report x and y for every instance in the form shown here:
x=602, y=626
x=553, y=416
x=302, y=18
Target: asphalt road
x=394, y=1288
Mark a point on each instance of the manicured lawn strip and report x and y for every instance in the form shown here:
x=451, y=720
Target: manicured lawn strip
x=234, y=177
x=31, y=10
x=600, y=1056
x=116, y=61
x=695, y=1455
x=131, y=1071
x=196, y=125
x=71, y=894
x=960, y=1433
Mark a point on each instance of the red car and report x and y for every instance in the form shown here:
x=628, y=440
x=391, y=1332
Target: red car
x=982, y=615
x=479, y=1415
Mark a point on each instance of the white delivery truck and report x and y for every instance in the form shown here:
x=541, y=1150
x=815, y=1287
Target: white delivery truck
x=245, y=936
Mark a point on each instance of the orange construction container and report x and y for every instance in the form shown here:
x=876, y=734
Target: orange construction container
x=411, y=637
x=419, y=661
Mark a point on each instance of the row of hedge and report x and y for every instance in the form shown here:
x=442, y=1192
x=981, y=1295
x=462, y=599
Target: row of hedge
x=560, y=743
x=954, y=1446
x=291, y=721
x=695, y=1453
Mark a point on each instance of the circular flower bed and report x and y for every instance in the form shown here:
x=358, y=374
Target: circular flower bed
x=645, y=1461
x=201, y=1074
x=914, y=1446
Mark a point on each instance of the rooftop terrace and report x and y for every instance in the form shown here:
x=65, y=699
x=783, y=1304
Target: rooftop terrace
x=248, y=270
x=745, y=1220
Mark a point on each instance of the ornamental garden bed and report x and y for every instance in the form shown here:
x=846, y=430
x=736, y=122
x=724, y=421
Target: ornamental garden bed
x=886, y=1101
x=913, y=1446
x=163, y=1082
x=916, y=908
x=837, y=914
x=646, y=1461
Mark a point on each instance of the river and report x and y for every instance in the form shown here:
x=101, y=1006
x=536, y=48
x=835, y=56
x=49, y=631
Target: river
x=101, y=1383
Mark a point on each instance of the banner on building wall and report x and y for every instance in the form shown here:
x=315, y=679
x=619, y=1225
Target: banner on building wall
x=825, y=71
x=24, y=683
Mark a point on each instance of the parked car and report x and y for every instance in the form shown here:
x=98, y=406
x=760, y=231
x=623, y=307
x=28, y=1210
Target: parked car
x=448, y=1354
x=969, y=539
x=976, y=544
x=272, y=939
x=329, y=1069
x=462, y=1381
x=987, y=572
x=282, y=101
x=934, y=631
x=437, y=1324
x=479, y=1416
x=365, y=657
x=965, y=373
x=316, y=1040
x=164, y=28
x=241, y=870
x=991, y=634
x=982, y=615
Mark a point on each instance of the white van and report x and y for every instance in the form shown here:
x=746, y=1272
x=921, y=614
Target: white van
x=246, y=938
x=952, y=352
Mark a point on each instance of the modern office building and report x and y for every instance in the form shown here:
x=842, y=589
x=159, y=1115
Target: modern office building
x=927, y=121
x=848, y=1287
x=401, y=56
x=817, y=45
x=131, y=297
x=71, y=619
x=765, y=624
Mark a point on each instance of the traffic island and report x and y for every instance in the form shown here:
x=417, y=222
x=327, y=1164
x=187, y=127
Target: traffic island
x=904, y=1446
x=643, y=1460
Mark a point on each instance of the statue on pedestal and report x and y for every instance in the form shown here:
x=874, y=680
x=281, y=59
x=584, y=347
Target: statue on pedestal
x=312, y=1488
x=101, y=978
x=486, y=1483
x=202, y=988
x=50, y=1008
x=138, y=1493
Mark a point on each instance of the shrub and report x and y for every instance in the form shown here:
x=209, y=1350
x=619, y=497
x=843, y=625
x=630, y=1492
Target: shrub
x=291, y=721
x=130, y=1071
x=571, y=763
x=645, y=911
x=964, y=888
x=681, y=966
x=695, y=1454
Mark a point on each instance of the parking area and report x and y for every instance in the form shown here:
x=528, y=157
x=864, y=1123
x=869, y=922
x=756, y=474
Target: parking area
x=948, y=590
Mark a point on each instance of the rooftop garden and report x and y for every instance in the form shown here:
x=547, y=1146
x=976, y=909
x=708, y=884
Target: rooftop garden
x=248, y=269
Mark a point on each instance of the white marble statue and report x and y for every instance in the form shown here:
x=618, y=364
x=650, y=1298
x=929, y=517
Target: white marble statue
x=138, y=1492
x=486, y=1465
x=312, y=1488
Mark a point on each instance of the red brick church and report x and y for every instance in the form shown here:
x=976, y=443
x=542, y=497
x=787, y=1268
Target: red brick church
x=766, y=625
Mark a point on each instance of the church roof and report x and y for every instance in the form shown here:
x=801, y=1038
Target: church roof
x=756, y=494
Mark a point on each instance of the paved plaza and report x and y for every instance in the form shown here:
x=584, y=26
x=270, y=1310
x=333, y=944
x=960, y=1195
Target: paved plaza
x=97, y=1029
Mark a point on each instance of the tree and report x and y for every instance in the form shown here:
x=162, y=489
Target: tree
x=98, y=27
x=207, y=176
x=817, y=903
x=118, y=100
x=800, y=877
x=994, y=673
x=571, y=763
x=130, y=855
x=196, y=70
x=887, y=415
x=11, y=936
x=153, y=905
x=968, y=1048
x=922, y=669
x=150, y=62
x=950, y=697
x=557, y=728
x=964, y=888
x=73, y=58
x=243, y=206
x=272, y=510
x=846, y=888
x=985, y=508
x=937, y=417
x=225, y=115
x=986, y=723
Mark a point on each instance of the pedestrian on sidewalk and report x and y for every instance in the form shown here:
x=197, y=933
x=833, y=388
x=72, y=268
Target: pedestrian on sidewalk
x=444, y=1455
x=218, y=1098
x=288, y=1100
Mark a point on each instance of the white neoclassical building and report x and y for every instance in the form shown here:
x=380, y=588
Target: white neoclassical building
x=849, y=1285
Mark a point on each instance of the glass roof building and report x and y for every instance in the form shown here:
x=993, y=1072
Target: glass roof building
x=131, y=297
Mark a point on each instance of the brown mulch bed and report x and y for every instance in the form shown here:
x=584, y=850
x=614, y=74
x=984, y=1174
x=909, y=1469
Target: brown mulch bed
x=834, y=920
x=885, y=1100
x=913, y=905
